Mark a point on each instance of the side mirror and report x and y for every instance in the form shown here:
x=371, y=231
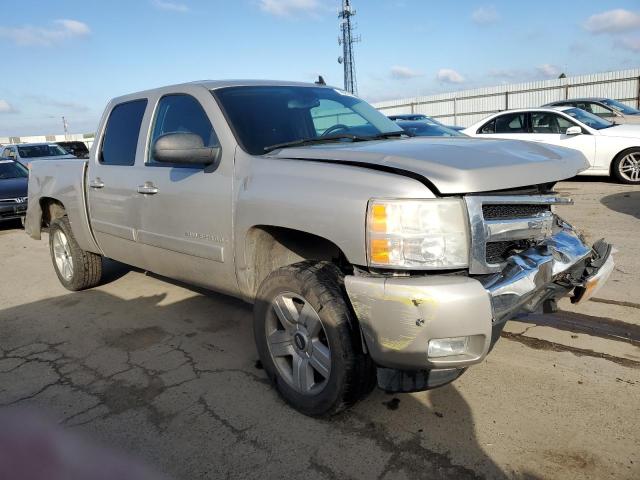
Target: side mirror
x=575, y=130
x=183, y=148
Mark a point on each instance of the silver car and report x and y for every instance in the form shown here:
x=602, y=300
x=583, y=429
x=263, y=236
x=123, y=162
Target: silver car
x=25, y=153
x=607, y=108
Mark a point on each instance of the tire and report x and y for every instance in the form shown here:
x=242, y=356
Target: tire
x=76, y=268
x=626, y=167
x=314, y=292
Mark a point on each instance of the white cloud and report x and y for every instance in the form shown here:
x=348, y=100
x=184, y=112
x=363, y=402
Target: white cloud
x=630, y=43
x=548, y=70
x=613, y=21
x=485, y=15
x=288, y=8
x=6, y=107
x=73, y=27
x=403, y=73
x=41, y=36
x=447, y=75
x=505, y=73
x=43, y=100
x=170, y=6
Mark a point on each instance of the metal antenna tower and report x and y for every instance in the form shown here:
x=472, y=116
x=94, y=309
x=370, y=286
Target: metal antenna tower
x=346, y=41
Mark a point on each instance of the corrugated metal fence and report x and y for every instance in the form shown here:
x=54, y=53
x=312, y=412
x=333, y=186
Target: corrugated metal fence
x=469, y=106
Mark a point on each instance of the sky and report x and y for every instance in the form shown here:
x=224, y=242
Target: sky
x=69, y=57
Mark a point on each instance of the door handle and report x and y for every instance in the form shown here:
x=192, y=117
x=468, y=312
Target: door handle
x=97, y=183
x=147, y=189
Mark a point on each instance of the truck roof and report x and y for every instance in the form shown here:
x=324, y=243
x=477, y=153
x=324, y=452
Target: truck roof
x=216, y=84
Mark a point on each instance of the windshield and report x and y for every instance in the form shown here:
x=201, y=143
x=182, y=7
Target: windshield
x=11, y=169
x=429, y=128
x=621, y=107
x=262, y=116
x=588, y=119
x=35, y=151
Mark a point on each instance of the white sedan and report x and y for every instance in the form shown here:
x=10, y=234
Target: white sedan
x=611, y=149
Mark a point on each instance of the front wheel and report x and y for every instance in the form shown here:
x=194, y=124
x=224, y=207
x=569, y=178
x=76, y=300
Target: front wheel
x=626, y=167
x=76, y=268
x=308, y=340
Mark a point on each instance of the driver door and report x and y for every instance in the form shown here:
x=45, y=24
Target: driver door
x=549, y=127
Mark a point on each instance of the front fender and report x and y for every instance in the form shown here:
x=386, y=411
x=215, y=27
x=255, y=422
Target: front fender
x=326, y=200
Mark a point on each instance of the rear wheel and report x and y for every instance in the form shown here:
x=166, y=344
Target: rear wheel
x=626, y=167
x=76, y=268
x=308, y=340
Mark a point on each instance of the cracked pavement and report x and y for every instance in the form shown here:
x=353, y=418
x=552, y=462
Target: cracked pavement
x=169, y=375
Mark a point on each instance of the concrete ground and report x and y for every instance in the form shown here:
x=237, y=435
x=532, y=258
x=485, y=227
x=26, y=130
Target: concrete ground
x=168, y=375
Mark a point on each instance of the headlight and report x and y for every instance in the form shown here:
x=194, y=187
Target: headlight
x=417, y=234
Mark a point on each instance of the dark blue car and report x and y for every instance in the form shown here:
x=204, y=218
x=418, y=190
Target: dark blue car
x=13, y=190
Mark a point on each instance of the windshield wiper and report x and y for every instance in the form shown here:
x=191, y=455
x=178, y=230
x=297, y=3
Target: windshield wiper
x=334, y=138
x=314, y=140
x=398, y=133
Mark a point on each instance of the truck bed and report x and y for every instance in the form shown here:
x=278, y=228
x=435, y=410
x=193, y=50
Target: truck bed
x=63, y=180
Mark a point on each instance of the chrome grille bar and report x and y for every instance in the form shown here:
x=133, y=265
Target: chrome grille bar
x=536, y=227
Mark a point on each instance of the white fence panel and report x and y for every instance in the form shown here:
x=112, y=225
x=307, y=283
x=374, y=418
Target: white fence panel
x=468, y=106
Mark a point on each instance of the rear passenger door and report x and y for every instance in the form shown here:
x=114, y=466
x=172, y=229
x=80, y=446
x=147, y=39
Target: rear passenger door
x=186, y=220
x=111, y=183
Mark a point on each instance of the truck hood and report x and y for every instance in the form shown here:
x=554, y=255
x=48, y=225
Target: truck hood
x=13, y=187
x=457, y=164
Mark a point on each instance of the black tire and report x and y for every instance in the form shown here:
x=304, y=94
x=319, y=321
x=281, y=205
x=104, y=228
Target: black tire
x=87, y=266
x=352, y=373
x=616, y=166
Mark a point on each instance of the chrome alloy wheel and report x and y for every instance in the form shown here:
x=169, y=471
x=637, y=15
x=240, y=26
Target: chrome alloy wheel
x=298, y=343
x=629, y=167
x=62, y=255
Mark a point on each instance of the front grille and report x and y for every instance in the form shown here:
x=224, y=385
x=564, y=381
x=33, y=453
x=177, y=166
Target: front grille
x=494, y=212
x=498, y=252
x=505, y=225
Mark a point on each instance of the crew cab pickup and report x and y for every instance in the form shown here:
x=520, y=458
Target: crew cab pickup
x=370, y=257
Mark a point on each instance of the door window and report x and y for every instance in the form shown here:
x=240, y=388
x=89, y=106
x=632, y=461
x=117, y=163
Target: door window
x=546, y=122
x=511, y=123
x=601, y=111
x=181, y=113
x=122, y=132
x=489, y=127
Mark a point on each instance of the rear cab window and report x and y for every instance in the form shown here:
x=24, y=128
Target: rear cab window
x=121, y=133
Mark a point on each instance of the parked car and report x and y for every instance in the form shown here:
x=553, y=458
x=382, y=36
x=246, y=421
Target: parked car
x=25, y=153
x=420, y=117
x=611, y=149
x=13, y=190
x=369, y=256
x=428, y=128
x=612, y=110
x=76, y=148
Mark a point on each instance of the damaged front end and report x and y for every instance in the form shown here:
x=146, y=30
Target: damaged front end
x=423, y=330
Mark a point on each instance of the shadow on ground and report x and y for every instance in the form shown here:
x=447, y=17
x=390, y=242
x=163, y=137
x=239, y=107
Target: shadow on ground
x=178, y=384
x=9, y=225
x=625, y=202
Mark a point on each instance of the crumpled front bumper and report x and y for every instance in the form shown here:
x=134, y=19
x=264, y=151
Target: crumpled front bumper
x=399, y=315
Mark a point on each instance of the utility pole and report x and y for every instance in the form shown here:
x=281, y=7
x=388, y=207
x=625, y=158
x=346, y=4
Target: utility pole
x=65, y=125
x=346, y=40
